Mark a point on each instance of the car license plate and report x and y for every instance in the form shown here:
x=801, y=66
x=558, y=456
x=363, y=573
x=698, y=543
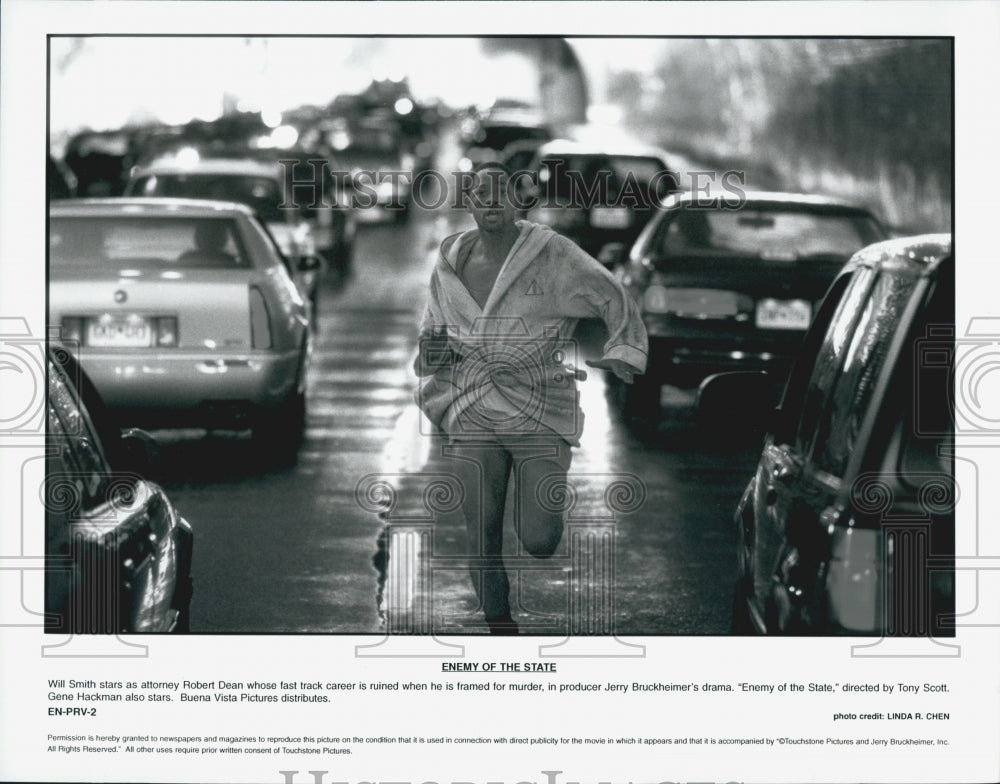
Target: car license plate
x=783, y=314
x=130, y=332
x=610, y=218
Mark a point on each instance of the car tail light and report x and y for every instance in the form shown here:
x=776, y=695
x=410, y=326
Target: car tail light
x=260, y=320
x=166, y=331
x=656, y=299
x=72, y=330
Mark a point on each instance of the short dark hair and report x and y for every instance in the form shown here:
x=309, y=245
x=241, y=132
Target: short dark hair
x=492, y=165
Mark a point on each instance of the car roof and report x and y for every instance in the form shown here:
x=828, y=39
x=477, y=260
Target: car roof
x=155, y=206
x=616, y=148
x=216, y=166
x=514, y=120
x=921, y=254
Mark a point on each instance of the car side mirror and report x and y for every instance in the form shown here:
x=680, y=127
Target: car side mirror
x=612, y=254
x=138, y=451
x=738, y=402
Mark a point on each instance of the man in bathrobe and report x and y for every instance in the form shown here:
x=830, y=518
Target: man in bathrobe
x=495, y=339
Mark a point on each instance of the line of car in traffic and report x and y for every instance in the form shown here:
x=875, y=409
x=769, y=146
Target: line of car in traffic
x=172, y=313
x=726, y=277
x=189, y=304
x=848, y=523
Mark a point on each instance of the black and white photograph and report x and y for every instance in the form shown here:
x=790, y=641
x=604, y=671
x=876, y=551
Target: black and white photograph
x=384, y=388
x=554, y=435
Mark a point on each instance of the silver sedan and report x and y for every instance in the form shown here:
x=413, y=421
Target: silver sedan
x=184, y=314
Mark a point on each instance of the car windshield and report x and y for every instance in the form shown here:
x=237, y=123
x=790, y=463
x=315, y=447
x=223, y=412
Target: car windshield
x=262, y=194
x=779, y=234
x=145, y=243
x=100, y=144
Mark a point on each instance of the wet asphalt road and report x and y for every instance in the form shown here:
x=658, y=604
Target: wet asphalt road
x=303, y=550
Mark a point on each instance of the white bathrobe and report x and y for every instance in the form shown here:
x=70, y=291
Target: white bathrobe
x=502, y=368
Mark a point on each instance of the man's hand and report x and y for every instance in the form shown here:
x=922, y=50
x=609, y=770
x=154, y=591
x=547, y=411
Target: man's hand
x=623, y=370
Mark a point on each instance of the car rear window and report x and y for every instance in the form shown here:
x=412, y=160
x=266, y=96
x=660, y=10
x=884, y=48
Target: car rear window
x=641, y=168
x=767, y=233
x=572, y=175
x=145, y=243
x=371, y=138
x=262, y=194
x=496, y=137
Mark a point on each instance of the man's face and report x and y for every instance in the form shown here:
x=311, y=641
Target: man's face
x=488, y=203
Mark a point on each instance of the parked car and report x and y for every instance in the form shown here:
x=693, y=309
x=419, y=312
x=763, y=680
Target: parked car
x=327, y=209
x=732, y=282
x=100, y=161
x=848, y=525
x=260, y=185
x=185, y=315
x=596, y=193
x=517, y=156
x=376, y=157
x=118, y=554
x=487, y=139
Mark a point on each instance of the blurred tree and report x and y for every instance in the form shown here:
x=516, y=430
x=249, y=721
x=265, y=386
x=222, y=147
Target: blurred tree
x=868, y=119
